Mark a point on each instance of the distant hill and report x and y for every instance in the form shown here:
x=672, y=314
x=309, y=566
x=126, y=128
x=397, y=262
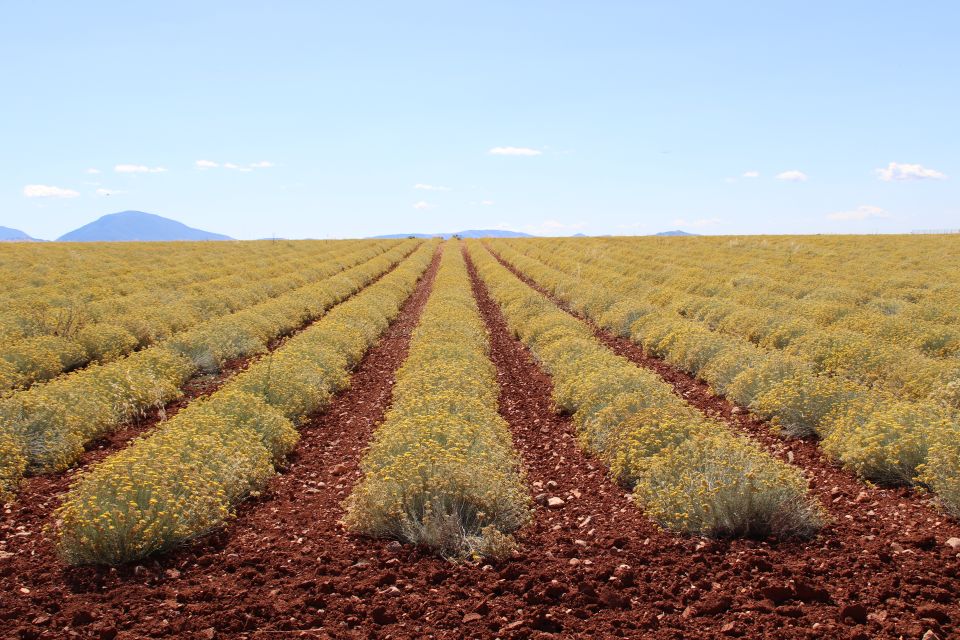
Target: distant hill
x=15, y=235
x=470, y=233
x=128, y=226
x=676, y=232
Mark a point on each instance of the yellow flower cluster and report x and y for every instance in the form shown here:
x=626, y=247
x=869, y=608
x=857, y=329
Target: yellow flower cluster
x=55, y=420
x=183, y=479
x=12, y=465
x=63, y=334
x=689, y=473
x=441, y=470
x=877, y=422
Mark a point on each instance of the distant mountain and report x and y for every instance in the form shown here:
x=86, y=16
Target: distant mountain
x=128, y=226
x=470, y=233
x=15, y=235
x=675, y=233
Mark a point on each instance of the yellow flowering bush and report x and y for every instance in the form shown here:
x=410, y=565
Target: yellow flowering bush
x=648, y=436
x=183, y=479
x=941, y=472
x=883, y=441
x=441, y=470
x=725, y=486
x=799, y=405
x=12, y=464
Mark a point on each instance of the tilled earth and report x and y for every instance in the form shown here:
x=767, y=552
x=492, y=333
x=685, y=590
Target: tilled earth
x=593, y=566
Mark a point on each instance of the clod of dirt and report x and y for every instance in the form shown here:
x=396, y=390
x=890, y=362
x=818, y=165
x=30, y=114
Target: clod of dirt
x=855, y=612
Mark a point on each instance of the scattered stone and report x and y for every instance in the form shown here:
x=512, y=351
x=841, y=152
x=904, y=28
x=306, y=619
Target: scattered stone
x=555, y=502
x=541, y=499
x=863, y=496
x=394, y=546
x=472, y=617
x=172, y=573
x=930, y=635
x=551, y=484
x=209, y=633
x=953, y=543
x=732, y=629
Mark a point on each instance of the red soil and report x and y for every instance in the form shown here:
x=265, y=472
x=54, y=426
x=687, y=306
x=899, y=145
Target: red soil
x=594, y=567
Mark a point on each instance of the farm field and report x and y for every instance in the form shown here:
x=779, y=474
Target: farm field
x=692, y=437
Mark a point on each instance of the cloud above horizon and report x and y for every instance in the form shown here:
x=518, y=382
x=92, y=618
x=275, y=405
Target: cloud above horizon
x=792, y=176
x=751, y=174
x=422, y=205
x=896, y=171
x=47, y=191
x=514, y=151
x=233, y=166
x=863, y=212
x=138, y=168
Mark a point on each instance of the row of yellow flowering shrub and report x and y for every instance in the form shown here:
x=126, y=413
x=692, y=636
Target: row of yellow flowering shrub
x=183, y=479
x=441, y=470
x=879, y=436
x=114, y=327
x=53, y=421
x=811, y=329
x=54, y=288
x=690, y=473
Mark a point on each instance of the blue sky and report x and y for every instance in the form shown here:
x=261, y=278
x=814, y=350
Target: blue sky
x=548, y=117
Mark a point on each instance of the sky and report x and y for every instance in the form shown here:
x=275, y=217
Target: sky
x=351, y=119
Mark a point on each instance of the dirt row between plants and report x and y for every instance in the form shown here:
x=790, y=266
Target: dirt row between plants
x=39, y=495
x=883, y=561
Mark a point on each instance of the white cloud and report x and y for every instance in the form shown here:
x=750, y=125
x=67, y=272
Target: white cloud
x=137, y=168
x=698, y=223
x=514, y=151
x=487, y=203
x=206, y=164
x=263, y=164
x=230, y=165
x=792, y=176
x=554, y=228
x=863, y=212
x=423, y=205
x=430, y=187
x=898, y=171
x=751, y=174
x=46, y=191
x=92, y=171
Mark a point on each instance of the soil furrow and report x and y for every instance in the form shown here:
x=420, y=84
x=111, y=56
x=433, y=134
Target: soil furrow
x=892, y=536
